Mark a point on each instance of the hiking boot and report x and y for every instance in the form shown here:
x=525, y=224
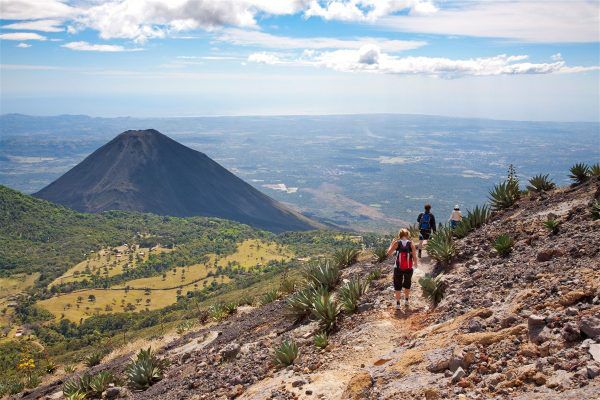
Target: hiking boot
x=398, y=305
x=419, y=253
x=406, y=302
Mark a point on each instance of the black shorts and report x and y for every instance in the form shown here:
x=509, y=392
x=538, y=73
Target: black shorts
x=402, y=278
x=424, y=235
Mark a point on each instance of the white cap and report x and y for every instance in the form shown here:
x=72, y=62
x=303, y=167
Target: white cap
x=456, y=207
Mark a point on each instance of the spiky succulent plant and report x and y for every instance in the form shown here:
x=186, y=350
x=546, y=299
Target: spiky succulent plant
x=504, y=195
x=145, y=369
x=580, y=173
x=540, y=183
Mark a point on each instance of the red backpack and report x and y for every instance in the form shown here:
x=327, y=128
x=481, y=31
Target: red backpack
x=404, y=256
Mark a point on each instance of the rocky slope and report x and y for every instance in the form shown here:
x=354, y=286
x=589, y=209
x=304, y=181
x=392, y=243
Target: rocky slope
x=525, y=326
x=147, y=171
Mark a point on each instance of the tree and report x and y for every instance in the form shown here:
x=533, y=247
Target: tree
x=91, y=298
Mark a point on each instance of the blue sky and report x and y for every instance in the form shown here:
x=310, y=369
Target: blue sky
x=508, y=59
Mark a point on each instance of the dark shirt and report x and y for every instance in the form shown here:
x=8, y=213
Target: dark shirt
x=431, y=221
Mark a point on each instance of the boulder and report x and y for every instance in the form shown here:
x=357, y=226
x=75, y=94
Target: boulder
x=570, y=332
x=230, y=351
x=590, y=326
x=438, y=360
x=458, y=374
x=594, y=350
x=115, y=392
x=560, y=380
x=593, y=370
x=537, y=331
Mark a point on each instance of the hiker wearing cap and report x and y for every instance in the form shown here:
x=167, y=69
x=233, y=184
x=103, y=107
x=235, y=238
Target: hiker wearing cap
x=455, y=217
x=406, y=259
x=426, y=222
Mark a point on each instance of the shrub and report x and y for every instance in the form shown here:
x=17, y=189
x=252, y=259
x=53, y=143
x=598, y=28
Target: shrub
x=380, y=253
x=414, y=231
x=93, y=359
x=580, y=173
x=145, y=370
x=32, y=381
x=503, y=245
x=596, y=210
x=287, y=285
x=346, y=257
x=326, y=310
x=183, y=327
x=375, y=274
x=218, y=312
x=246, y=300
x=231, y=307
x=287, y=353
x=321, y=340
x=433, y=289
x=540, y=183
x=440, y=246
x=595, y=170
x=325, y=275
x=51, y=367
x=269, y=297
x=69, y=369
x=351, y=293
x=552, y=225
x=504, y=195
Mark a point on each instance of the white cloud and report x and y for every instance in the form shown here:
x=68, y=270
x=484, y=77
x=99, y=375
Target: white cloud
x=366, y=10
x=85, y=46
x=35, y=9
x=265, y=58
x=256, y=38
x=23, y=45
x=557, y=21
x=22, y=36
x=556, y=57
x=44, y=25
x=370, y=58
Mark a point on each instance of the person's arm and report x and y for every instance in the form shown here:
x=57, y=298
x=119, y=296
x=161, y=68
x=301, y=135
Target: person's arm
x=392, y=248
x=433, y=225
x=414, y=254
x=419, y=218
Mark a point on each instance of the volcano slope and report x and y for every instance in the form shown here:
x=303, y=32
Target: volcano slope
x=524, y=326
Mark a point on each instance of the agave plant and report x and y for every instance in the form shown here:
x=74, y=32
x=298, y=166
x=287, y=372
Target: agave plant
x=351, y=293
x=321, y=340
x=69, y=368
x=75, y=396
x=380, y=253
x=552, y=225
x=81, y=384
x=580, y=173
x=300, y=304
x=595, y=170
x=433, y=289
x=218, y=312
x=346, y=257
x=503, y=245
x=540, y=183
x=375, y=274
x=145, y=369
x=93, y=359
x=99, y=383
x=596, y=210
x=287, y=353
x=246, y=300
x=325, y=275
x=441, y=246
x=287, y=285
x=504, y=195
x=326, y=310
x=51, y=367
x=231, y=307
x=183, y=327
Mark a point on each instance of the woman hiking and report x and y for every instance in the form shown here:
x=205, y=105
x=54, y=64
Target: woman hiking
x=426, y=222
x=406, y=259
x=455, y=217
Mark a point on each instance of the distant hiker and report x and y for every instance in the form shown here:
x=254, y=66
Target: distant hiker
x=455, y=217
x=426, y=222
x=406, y=259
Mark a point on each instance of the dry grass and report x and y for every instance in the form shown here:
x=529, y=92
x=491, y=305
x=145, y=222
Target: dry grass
x=251, y=253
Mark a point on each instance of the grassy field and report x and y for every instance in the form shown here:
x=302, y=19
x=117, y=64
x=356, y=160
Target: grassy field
x=181, y=276
x=251, y=253
x=108, y=262
x=16, y=284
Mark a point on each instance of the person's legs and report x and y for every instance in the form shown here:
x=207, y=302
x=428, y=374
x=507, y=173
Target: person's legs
x=406, y=284
x=398, y=286
x=420, y=246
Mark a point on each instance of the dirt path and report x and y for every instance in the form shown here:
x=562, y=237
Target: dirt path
x=368, y=344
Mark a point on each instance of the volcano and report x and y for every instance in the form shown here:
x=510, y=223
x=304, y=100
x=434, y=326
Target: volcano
x=146, y=171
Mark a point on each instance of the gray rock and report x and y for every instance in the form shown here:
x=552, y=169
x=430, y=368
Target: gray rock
x=459, y=373
x=475, y=325
x=365, y=307
x=230, y=351
x=115, y=393
x=593, y=370
x=571, y=311
x=560, y=380
x=571, y=332
x=438, y=360
x=537, y=330
x=595, y=351
x=508, y=321
x=590, y=326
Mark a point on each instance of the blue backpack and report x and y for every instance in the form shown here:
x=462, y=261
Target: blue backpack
x=425, y=224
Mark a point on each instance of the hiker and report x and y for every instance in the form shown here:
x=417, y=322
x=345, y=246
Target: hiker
x=455, y=217
x=406, y=259
x=426, y=222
